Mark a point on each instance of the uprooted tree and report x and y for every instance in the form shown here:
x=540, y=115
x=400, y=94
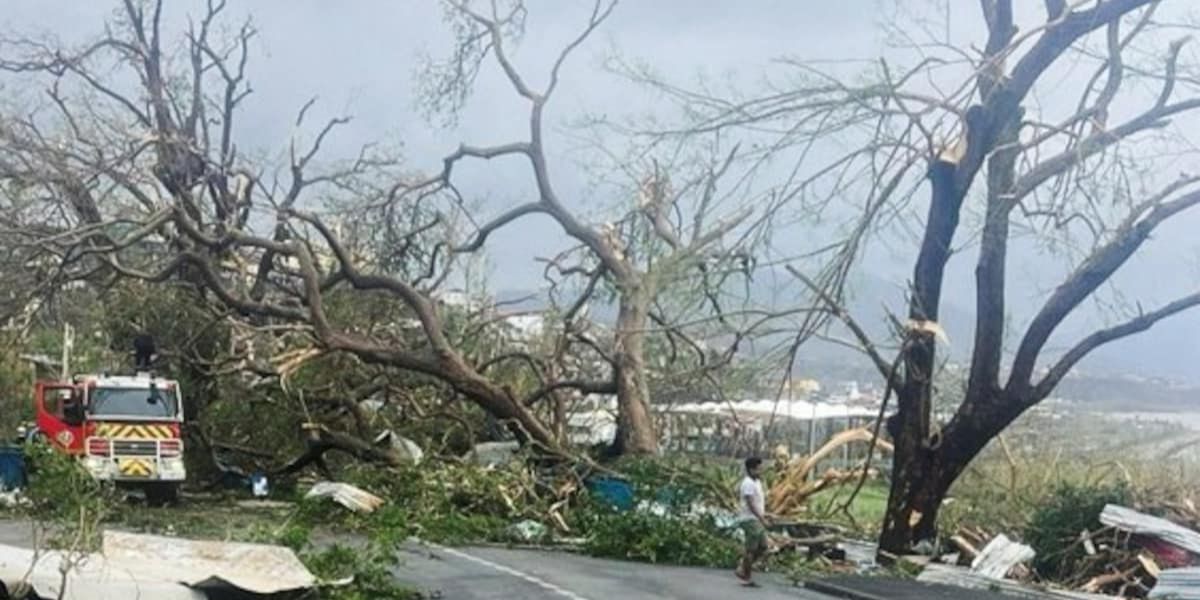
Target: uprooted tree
x=1074, y=166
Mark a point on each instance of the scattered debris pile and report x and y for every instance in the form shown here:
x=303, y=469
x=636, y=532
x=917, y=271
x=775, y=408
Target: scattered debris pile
x=1150, y=546
x=353, y=498
x=1133, y=555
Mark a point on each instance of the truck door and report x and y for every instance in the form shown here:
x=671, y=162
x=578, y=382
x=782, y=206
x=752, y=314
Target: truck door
x=60, y=415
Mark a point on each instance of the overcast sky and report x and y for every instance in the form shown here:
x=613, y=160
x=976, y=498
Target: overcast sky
x=360, y=57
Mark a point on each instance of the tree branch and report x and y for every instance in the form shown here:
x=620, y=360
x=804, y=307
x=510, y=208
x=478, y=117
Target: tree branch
x=1142, y=322
x=582, y=386
x=868, y=346
x=1090, y=275
x=482, y=234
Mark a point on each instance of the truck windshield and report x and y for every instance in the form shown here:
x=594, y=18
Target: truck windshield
x=133, y=402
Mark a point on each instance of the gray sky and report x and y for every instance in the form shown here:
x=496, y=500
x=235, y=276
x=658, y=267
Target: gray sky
x=359, y=57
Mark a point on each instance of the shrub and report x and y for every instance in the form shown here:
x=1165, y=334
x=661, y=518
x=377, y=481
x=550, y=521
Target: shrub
x=1055, y=525
x=370, y=567
x=645, y=536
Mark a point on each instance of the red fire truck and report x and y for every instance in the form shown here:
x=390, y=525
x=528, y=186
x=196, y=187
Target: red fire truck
x=124, y=429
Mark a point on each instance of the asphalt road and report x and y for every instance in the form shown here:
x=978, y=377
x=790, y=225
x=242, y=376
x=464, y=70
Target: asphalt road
x=500, y=573
x=478, y=573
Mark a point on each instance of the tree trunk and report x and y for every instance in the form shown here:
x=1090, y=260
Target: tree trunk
x=635, y=424
x=918, y=482
x=923, y=473
x=920, y=479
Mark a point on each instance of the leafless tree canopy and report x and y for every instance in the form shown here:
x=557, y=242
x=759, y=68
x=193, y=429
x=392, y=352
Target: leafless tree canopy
x=987, y=130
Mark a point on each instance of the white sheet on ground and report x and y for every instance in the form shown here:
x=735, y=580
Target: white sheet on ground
x=163, y=568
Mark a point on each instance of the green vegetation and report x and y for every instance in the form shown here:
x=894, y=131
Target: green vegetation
x=451, y=503
x=370, y=567
x=1055, y=525
x=865, y=512
x=656, y=538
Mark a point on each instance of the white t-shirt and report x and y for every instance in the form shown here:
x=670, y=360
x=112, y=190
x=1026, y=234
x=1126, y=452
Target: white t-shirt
x=750, y=493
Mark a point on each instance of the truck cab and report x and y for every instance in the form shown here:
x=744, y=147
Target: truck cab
x=125, y=429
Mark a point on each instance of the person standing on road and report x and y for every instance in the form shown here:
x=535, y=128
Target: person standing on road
x=752, y=519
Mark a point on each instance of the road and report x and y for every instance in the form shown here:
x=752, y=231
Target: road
x=496, y=573
x=491, y=573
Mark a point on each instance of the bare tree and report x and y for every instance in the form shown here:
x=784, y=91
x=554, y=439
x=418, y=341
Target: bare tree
x=1080, y=175
x=678, y=224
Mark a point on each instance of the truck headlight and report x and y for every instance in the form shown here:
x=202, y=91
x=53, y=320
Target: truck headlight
x=171, y=468
x=98, y=466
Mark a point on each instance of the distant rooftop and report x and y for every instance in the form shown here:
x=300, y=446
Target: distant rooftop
x=795, y=409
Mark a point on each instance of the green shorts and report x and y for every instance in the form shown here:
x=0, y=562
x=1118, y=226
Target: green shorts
x=756, y=536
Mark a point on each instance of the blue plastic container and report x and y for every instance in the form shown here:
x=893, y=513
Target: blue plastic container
x=12, y=468
x=614, y=492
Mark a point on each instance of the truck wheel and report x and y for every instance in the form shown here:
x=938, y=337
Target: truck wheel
x=162, y=494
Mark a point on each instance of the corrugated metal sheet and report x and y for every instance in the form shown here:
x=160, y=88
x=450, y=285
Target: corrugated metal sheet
x=1130, y=520
x=94, y=579
x=1180, y=584
x=162, y=568
x=967, y=579
x=256, y=568
x=889, y=588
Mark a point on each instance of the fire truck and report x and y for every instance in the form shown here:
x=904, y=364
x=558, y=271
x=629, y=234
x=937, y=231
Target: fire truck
x=124, y=429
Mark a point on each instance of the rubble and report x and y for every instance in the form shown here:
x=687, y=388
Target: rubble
x=1136, y=555
x=259, y=486
x=490, y=454
x=406, y=448
x=255, y=568
x=9, y=499
x=1000, y=557
x=353, y=498
x=527, y=531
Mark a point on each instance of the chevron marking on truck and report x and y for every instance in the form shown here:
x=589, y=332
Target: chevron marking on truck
x=136, y=467
x=136, y=432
